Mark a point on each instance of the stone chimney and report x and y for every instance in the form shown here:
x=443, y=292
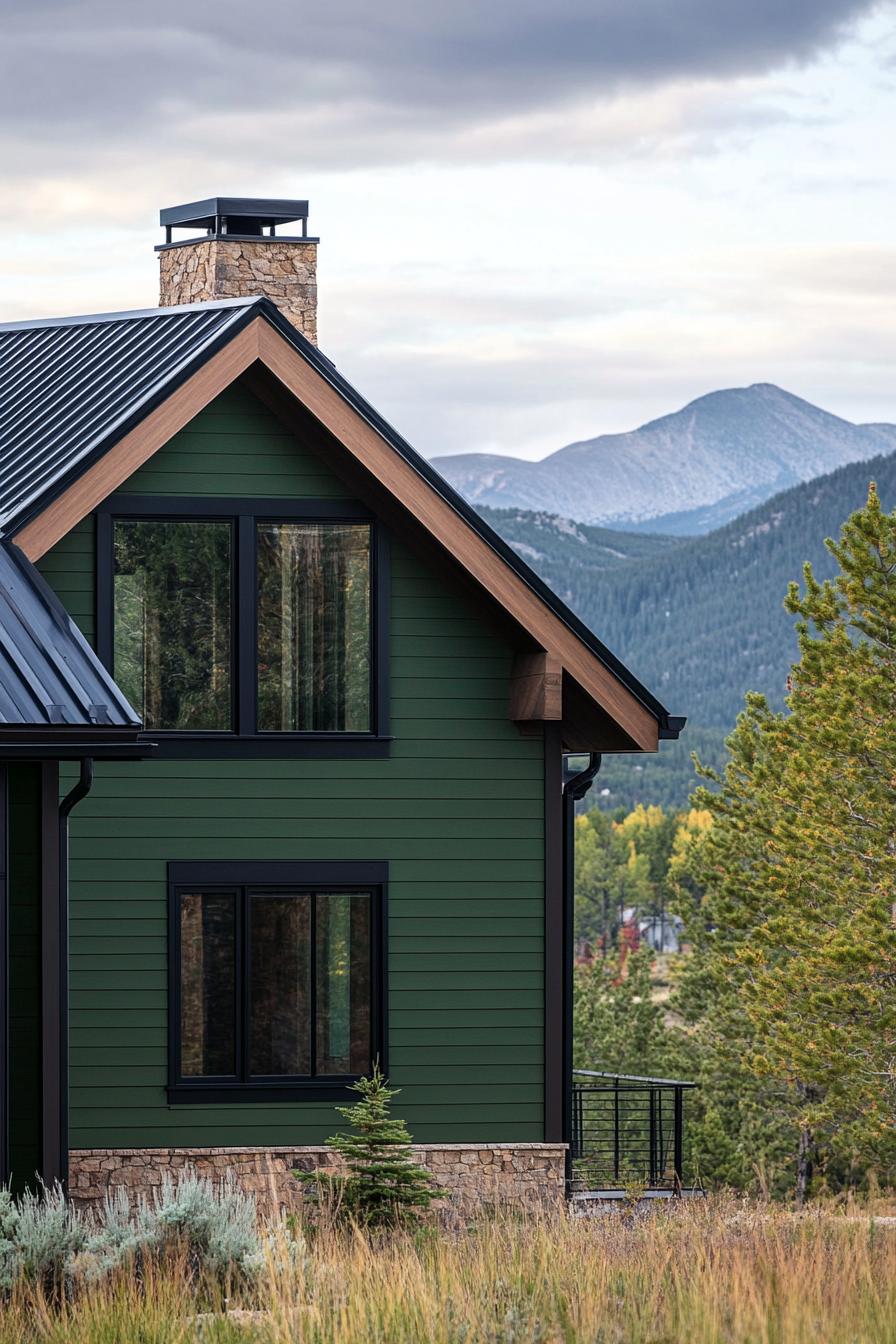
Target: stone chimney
x=239, y=254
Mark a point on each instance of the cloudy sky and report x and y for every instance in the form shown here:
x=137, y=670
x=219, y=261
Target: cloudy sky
x=539, y=222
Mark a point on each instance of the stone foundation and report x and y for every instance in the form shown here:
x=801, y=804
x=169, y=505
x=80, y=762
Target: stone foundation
x=473, y=1175
x=221, y=268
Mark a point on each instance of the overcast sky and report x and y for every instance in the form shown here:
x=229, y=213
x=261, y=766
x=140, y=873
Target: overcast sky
x=539, y=222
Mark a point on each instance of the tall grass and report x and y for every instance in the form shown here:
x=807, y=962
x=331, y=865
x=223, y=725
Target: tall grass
x=697, y=1272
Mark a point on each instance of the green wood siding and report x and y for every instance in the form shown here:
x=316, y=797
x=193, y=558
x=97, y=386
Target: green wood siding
x=457, y=810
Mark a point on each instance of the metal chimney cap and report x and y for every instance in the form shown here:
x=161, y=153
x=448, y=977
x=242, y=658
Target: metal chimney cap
x=261, y=213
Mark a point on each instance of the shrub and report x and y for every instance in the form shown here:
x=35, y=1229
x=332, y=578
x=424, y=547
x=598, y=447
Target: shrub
x=215, y=1224
x=212, y=1227
x=39, y=1236
x=383, y=1182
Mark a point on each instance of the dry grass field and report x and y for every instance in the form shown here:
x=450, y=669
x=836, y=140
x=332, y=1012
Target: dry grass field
x=701, y=1272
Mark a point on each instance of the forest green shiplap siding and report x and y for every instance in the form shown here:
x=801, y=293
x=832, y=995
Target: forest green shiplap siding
x=457, y=811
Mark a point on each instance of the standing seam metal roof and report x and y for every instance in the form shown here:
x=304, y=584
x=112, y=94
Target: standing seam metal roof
x=50, y=678
x=69, y=385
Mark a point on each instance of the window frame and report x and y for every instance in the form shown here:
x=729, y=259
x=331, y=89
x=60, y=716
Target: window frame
x=322, y=876
x=243, y=738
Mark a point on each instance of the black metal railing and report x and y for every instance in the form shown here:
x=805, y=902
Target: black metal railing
x=627, y=1132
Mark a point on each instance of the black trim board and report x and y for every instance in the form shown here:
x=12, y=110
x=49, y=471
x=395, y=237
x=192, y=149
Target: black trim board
x=4, y=975
x=304, y=872
x=236, y=877
x=554, y=941
x=54, y=983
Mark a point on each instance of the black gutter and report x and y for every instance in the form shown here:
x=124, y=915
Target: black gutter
x=574, y=789
x=74, y=796
x=35, y=749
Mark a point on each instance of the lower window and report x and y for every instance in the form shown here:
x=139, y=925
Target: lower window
x=276, y=976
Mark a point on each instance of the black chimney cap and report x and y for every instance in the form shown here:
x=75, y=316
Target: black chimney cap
x=235, y=216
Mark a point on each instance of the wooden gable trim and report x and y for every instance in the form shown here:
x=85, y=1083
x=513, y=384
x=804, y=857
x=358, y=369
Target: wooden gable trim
x=260, y=341
x=456, y=535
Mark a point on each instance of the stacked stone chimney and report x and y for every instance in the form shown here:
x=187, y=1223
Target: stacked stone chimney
x=234, y=258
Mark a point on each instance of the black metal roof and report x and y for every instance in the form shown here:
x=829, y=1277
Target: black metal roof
x=69, y=386
x=205, y=214
x=53, y=688
x=75, y=386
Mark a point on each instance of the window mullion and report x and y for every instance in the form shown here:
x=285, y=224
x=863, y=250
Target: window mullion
x=245, y=625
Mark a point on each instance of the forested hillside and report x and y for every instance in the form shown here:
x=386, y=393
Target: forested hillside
x=700, y=621
x=569, y=555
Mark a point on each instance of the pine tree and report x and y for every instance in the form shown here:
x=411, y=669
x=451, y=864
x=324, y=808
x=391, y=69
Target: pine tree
x=800, y=866
x=384, y=1183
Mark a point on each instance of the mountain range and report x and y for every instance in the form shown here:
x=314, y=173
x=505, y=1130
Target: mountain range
x=700, y=620
x=684, y=474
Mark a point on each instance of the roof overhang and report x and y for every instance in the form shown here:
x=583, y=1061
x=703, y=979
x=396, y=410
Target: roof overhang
x=56, y=697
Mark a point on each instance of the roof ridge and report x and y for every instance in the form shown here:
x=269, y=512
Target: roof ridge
x=128, y=314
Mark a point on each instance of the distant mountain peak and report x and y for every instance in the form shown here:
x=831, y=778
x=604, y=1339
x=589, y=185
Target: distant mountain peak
x=686, y=472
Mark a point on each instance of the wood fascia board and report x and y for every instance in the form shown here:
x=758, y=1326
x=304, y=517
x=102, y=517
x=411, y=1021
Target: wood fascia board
x=536, y=688
x=140, y=444
x=328, y=406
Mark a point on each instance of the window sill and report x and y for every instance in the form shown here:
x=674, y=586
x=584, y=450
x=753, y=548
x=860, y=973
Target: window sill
x=260, y=1093
x=229, y=746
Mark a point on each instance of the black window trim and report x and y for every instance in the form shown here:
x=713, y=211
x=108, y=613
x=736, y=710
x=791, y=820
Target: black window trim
x=318, y=875
x=243, y=740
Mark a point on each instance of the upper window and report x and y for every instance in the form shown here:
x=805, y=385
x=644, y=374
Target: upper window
x=257, y=624
x=276, y=975
x=172, y=621
x=313, y=627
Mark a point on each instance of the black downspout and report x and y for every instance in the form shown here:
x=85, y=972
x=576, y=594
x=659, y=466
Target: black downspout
x=573, y=790
x=66, y=807
x=4, y=975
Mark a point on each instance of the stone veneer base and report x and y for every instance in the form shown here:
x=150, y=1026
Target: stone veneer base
x=473, y=1175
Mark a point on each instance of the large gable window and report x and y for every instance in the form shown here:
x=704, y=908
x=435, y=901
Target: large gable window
x=276, y=976
x=255, y=623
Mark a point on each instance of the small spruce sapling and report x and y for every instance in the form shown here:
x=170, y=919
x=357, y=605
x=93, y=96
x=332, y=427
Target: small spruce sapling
x=383, y=1183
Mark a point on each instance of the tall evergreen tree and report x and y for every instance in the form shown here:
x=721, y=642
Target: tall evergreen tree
x=799, y=866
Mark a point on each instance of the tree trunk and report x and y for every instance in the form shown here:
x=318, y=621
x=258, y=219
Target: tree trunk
x=803, y=1165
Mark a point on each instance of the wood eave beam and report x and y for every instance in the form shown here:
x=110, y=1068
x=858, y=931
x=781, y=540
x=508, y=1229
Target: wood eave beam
x=536, y=688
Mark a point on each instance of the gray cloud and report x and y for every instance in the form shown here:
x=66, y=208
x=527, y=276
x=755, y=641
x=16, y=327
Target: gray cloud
x=117, y=69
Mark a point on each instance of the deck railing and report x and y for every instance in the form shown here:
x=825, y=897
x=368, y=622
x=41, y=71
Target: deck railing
x=627, y=1131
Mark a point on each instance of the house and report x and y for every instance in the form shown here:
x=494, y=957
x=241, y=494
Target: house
x=662, y=932
x=290, y=742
